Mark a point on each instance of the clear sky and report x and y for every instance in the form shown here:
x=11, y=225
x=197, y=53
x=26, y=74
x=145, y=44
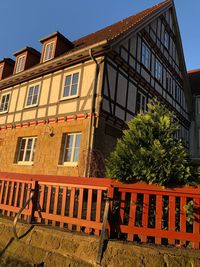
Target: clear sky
x=24, y=22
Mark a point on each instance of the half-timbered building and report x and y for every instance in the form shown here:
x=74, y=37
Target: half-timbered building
x=62, y=111
x=194, y=78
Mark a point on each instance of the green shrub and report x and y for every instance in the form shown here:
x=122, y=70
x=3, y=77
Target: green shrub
x=148, y=152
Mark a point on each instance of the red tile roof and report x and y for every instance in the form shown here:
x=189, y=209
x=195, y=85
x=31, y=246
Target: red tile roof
x=120, y=28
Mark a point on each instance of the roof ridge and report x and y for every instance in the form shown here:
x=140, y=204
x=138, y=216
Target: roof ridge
x=193, y=71
x=141, y=15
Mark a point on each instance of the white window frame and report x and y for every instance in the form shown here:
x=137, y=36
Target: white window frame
x=20, y=66
x=158, y=70
x=4, y=110
x=64, y=81
x=142, y=97
x=47, y=56
x=32, y=105
x=23, y=161
x=166, y=40
x=71, y=162
x=146, y=56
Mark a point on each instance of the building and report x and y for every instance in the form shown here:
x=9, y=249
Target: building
x=194, y=77
x=61, y=111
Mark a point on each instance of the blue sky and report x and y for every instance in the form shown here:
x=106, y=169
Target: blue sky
x=24, y=22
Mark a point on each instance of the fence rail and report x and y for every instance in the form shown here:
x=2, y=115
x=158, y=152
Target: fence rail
x=138, y=212
x=149, y=213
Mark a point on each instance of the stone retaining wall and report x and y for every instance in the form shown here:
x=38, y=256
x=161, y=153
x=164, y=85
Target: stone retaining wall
x=44, y=246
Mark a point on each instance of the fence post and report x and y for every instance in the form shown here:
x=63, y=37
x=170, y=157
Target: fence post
x=34, y=203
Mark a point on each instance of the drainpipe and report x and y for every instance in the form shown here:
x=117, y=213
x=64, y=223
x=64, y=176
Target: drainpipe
x=91, y=122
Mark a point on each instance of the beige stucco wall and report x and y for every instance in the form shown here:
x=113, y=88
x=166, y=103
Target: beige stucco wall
x=50, y=102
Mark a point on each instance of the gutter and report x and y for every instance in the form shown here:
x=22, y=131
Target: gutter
x=91, y=122
x=54, y=65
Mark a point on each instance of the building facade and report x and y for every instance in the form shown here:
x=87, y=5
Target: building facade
x=62, y=111
x=194, y=77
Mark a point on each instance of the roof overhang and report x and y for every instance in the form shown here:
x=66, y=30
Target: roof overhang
x=68, y=59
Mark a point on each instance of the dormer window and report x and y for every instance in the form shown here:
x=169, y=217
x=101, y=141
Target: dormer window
x=48, y=52
x=20, y=64
x=54, y=45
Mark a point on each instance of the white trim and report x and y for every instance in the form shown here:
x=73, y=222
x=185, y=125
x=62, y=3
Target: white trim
x=69, y=97
x=21, y=66
x=63, y=85
x=23, y=162
x=71, y=162
x=28, y=163
x=47, y=44
x=5, y=111
x=32, y=105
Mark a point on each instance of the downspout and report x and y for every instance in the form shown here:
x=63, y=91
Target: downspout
x=91, y=122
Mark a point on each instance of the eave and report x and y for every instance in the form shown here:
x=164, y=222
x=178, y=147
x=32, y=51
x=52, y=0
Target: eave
x=56, y=64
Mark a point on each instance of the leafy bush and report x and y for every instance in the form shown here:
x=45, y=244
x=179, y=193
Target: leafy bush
x=148, y=152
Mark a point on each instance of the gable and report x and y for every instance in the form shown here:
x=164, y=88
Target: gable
x=152, y=34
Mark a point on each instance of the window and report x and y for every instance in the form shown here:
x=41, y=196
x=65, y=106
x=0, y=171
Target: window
x=32, y=97
x=4, y=103
x=141, y=103
x=198, y=106
x=158, y=70
x=145, y=56
x=48, y=51
x=199, y=138
x=26, y=150
x=71, y=148
x=177, y=93
x=71, y=85
x=166, y=39
x=169, y=84
x=20, y=64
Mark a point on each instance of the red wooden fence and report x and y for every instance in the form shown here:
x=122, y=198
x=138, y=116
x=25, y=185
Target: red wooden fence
x=68, y=202
x=13, y=194
x=150, y=213
x=138, y=212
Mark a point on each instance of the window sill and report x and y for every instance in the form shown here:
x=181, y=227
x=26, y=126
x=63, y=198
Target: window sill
x=68, y=97
x=3, y=112
x=23, y=163
x=31, y=106
x=69, y=164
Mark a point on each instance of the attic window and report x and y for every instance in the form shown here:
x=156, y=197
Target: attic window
x=166, y=39
x=20, y=64
x=48, y=51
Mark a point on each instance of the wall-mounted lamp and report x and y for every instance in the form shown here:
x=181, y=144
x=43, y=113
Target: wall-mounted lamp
x=49, y=131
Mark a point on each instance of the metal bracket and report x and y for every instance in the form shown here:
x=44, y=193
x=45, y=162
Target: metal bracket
x=103, y=232
x=20, y=212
